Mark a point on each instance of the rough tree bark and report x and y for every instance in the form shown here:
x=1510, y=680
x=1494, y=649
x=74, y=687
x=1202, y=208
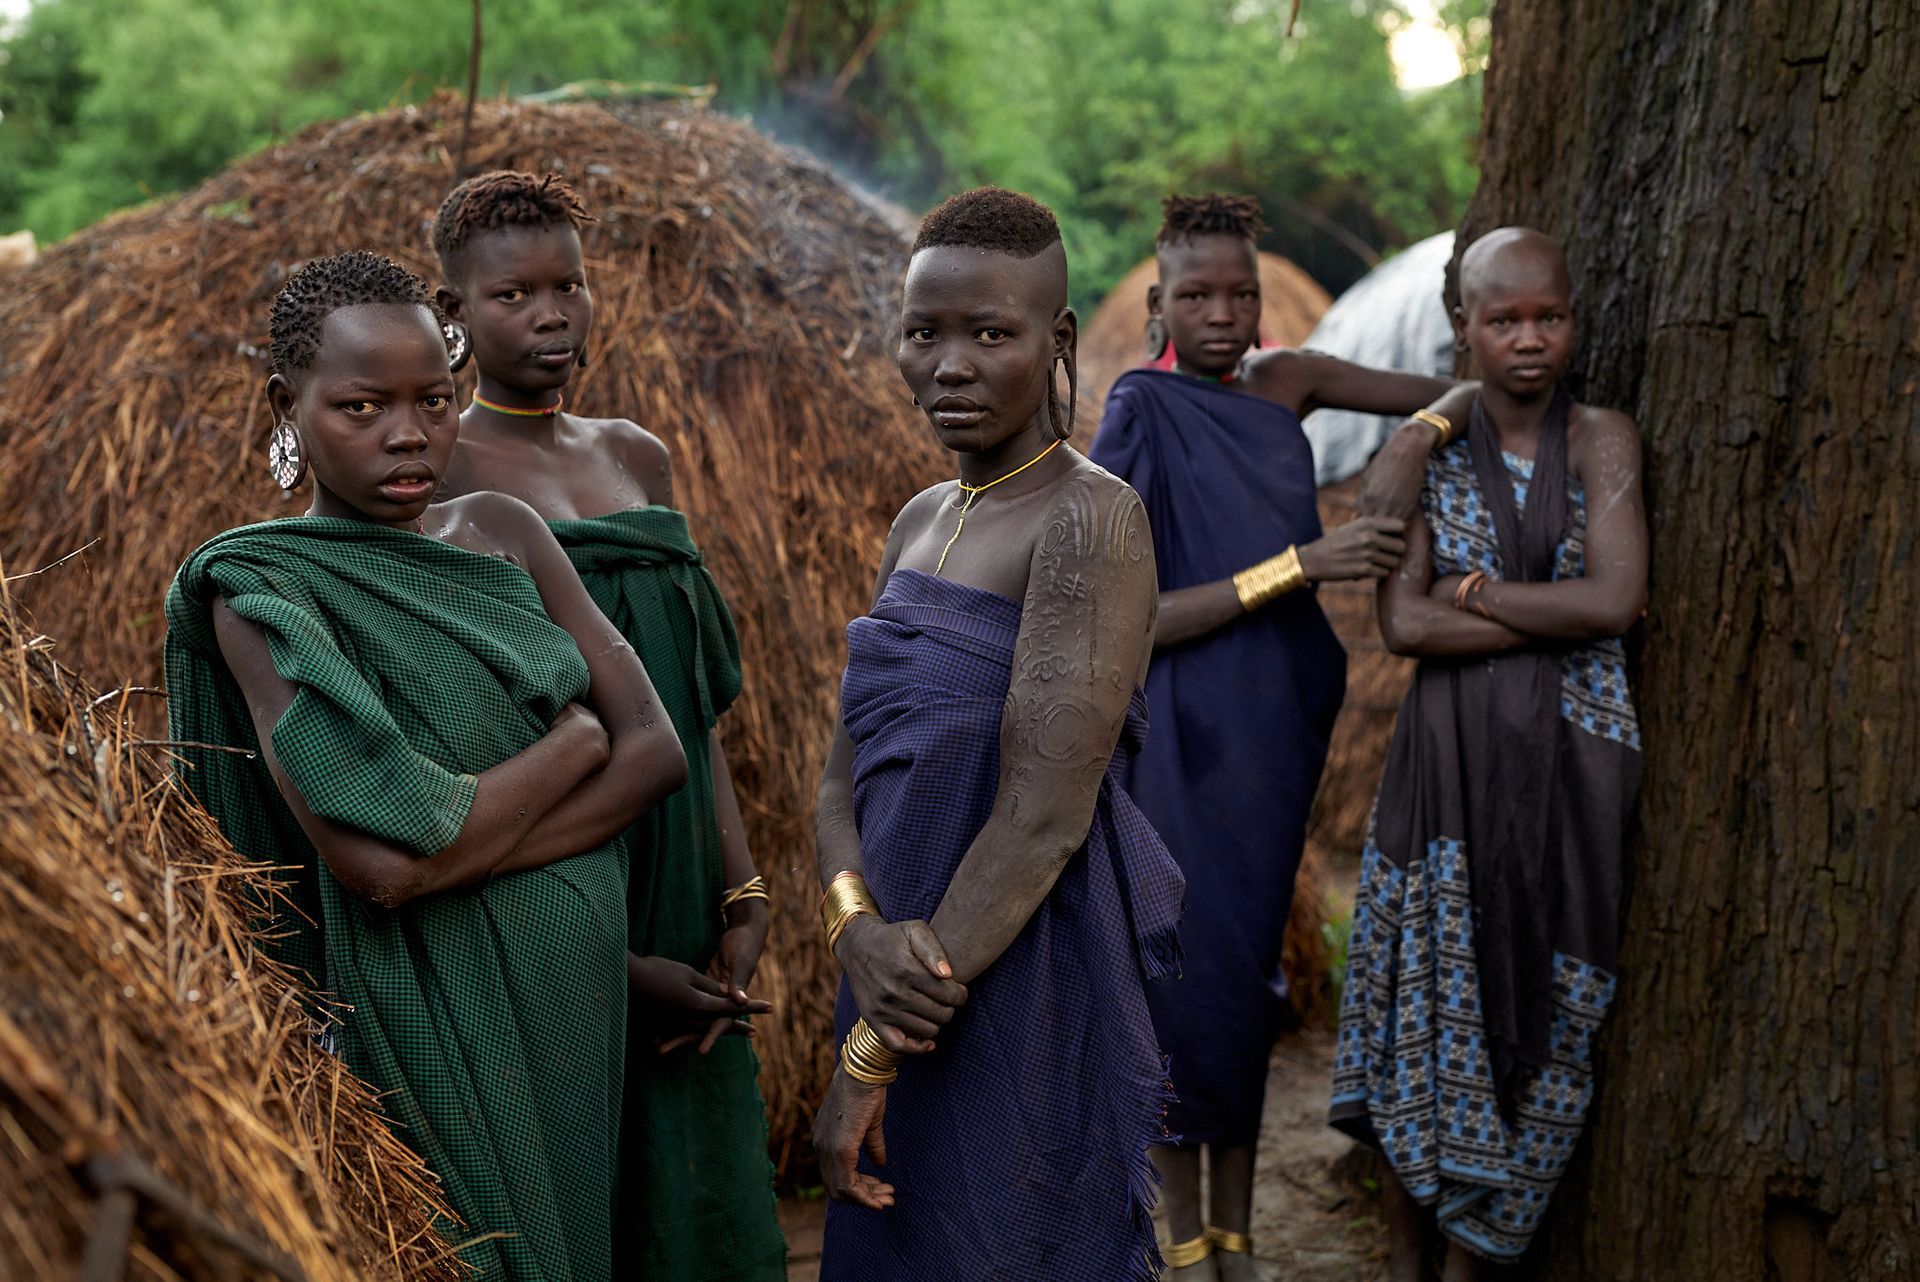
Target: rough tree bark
x=1737, y=184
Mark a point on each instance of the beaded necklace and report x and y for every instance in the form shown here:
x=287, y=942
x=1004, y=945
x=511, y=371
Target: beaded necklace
x=511, y=412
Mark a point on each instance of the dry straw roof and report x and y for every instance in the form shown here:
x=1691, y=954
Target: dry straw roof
x=162, y=1100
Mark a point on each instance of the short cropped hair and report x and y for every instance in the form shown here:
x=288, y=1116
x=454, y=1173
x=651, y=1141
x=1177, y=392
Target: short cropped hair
x=503, y=198
x=990, y=218
x=325, y=285
x=1214, y=214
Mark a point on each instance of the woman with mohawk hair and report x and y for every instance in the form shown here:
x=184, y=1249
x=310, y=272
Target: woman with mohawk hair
x=998, y=903
x=1247, y=675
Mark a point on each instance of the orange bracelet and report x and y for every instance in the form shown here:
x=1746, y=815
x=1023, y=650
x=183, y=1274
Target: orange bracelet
x=1467, y=585
x=1479, y=606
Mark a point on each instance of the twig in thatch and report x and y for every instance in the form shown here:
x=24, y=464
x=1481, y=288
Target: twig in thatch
x=15, y=578
x=109, y=1237
x=123, y=1183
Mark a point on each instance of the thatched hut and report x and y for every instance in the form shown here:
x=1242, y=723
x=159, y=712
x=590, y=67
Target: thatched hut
x=1113, y=340
x=165, y=1112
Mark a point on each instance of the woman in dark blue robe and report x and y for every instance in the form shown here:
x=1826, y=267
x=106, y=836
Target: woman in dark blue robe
x=1245, y=682
x=972, y=828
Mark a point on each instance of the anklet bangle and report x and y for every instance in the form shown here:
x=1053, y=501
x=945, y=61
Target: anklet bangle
x=1183, y=1255
x=1229, y=1241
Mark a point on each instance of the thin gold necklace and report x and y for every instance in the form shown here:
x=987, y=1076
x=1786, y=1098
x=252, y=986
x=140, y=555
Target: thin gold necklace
x=975, y=491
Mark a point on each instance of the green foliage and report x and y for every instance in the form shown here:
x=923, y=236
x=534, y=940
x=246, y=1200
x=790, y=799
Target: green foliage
x=1099, y=107
x=1102, y=108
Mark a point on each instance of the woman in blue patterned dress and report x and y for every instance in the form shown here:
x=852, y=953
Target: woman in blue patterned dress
x=1486, y=928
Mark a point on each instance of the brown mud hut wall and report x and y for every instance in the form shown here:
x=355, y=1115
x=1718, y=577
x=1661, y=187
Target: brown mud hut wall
x=158, y=1081
x=1376, y=683
x=744, y=303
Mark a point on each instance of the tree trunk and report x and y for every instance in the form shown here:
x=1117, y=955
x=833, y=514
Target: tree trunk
x=1737, y=187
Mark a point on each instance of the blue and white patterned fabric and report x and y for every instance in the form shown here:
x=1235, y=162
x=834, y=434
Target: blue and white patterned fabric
x=1593, y=691
x=1413, y=1070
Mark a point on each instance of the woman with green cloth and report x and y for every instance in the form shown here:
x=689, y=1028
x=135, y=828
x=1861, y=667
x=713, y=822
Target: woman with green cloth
x=433, y=730
x=696, y=1189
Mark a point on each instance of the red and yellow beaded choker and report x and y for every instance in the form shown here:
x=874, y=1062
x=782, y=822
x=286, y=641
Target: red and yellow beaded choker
x=511, y=412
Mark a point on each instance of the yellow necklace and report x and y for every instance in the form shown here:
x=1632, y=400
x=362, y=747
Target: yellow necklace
x=975, y=491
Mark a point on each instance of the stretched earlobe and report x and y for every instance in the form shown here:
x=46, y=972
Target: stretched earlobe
x=285, y=460
x=1073, y=391
x=1156, y=338
x=459, y=344
x=1064, y=431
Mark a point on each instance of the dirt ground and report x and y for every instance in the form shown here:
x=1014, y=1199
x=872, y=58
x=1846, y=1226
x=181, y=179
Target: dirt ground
x=1313, y=1220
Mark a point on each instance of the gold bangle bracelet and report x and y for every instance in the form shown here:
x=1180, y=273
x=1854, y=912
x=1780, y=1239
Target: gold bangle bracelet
x=866, y=1058
x=847, y=897
x=754, y=887
x=1274, y=577
x=1438, y=422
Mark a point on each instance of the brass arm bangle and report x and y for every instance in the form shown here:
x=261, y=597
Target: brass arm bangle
x=754, y=887
x=846, y=897
x=1438, y=422
x=866, y=1058
x=1274, y=577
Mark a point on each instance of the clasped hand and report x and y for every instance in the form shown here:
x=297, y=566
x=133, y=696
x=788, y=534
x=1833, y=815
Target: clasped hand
x=901, y=981
x=905, y=989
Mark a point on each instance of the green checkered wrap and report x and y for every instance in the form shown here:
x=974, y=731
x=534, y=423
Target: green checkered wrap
x=492, y=1019
x=695, y=1198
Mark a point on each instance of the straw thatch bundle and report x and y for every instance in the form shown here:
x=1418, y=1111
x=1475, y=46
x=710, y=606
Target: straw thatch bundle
x=744, y=300
x=1113, y=341
x=162, y=1100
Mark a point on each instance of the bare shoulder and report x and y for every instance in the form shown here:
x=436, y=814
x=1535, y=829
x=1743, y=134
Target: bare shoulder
x=624, y=444
x=1277, y=373
x=920, y=511
x=243, y=644
x=641, y=449
x=1600, y=435
x=239, y=638
x=490, y=523
x=1271, y=362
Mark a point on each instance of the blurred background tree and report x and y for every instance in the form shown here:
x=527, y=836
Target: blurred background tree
x=1098, y=106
